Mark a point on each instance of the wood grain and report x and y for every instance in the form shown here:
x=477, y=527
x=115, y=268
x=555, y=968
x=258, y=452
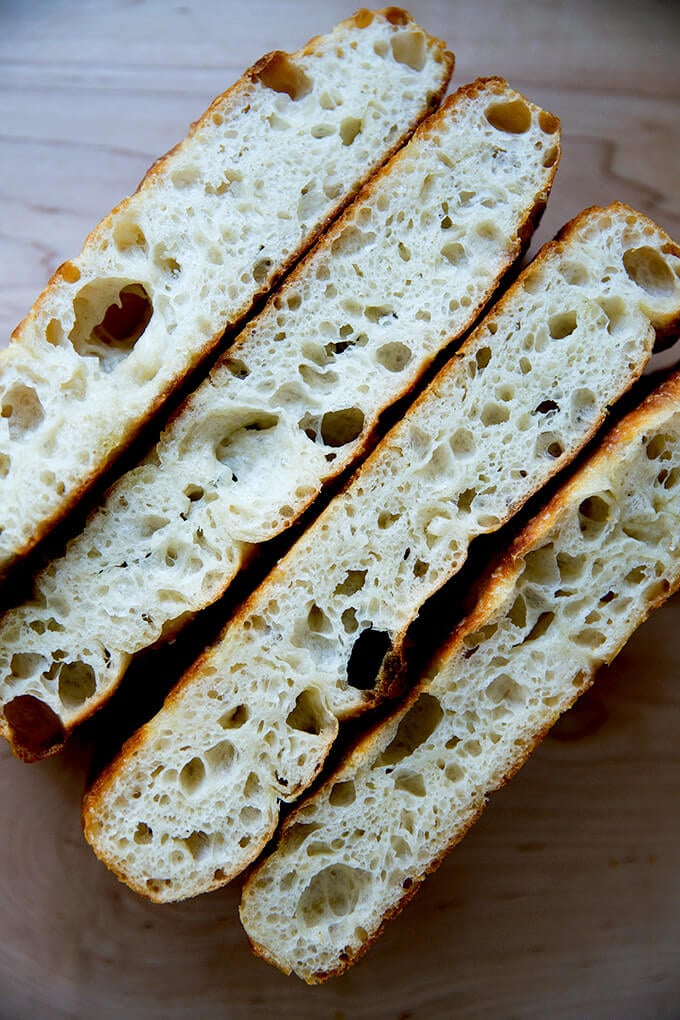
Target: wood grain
x=564, y=900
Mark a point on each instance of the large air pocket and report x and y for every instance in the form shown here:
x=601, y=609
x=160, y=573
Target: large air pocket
x=110, y=317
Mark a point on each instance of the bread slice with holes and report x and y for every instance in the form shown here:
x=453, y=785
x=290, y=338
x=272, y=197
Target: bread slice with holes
x=569, y=593
x=214, y=225
x=405, y=271
x=194, y=795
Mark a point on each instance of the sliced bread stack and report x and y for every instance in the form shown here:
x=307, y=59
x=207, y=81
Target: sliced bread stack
x=563, y=600
x=212, y=226
x=403, y=273
x=195, y=794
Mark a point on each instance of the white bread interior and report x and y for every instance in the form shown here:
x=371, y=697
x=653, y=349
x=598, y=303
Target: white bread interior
x=575, y=585
x=213, y=225
x=404, y=272
x=194, y=795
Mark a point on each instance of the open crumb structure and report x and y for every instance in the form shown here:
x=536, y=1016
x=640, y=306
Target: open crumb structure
x=575, y=585
x=404, y=272
x=213, y=225
x=194, y=796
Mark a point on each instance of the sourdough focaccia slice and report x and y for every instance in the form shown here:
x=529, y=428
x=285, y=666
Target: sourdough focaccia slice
x=405, y=271
x=194, y=795
x=571, y=590
x=213, y=225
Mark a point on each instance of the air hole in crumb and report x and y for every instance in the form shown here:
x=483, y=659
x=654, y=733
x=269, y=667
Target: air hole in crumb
x=574, y=273
x=367, y=657
x=194, y=493
x=483, y=357
x=374, y=313
x=317, y=621
x=570, y=567
x=278, y=72
x=615, y=310
x=237, y=367
x=192, y=776
x=198, y=844
x=505, y=690
x=350, y=127
x=296, y=834
x=562, y=325
x=22, y=408
x=454, y=773
x=76, y=683
x=589, y=638
x=253, y=786
x=649, y=270
x=546, y=407
x=342, y=794
x=231, y=446
x=593, y=514
x=494, y=414
x=549, y=445
x=409, y=48
x=185, y=176
x=659, y=446
x=547, y=122
x=333, y=892
x=415, y=728
x=110, y=317
x=24, y=665
x=54, y=332
x=410, y=782
x=550, y=156
x=464, y=500
x=220, y=757
x=386, y=519
x=513, y=117
x=349, y=620
x=127, y=234
x=309, y=714
x=353, y=582
x=585, y=404
x=541, y=626
x=462, y=442
x=518, y=612
x=234, y=718
x=143, y=834
x=261, y=270
x=454, y=252
x=341, y=427
x=322, y=131
x=394, y=356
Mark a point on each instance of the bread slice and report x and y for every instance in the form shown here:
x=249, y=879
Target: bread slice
x=194, y=795
x=213, y=225
x=564, y=600
x=405, y=271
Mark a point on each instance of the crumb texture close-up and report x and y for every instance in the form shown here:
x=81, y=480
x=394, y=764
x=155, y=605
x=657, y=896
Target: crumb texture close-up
x=339, y=510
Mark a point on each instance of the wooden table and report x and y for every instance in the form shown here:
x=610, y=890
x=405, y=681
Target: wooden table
x=564, y=900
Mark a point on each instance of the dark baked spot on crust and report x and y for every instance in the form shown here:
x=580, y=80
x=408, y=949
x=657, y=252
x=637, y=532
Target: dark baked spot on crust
x=35, y=729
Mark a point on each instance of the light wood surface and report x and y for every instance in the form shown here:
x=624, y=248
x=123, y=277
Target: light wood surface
x=564, y=900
